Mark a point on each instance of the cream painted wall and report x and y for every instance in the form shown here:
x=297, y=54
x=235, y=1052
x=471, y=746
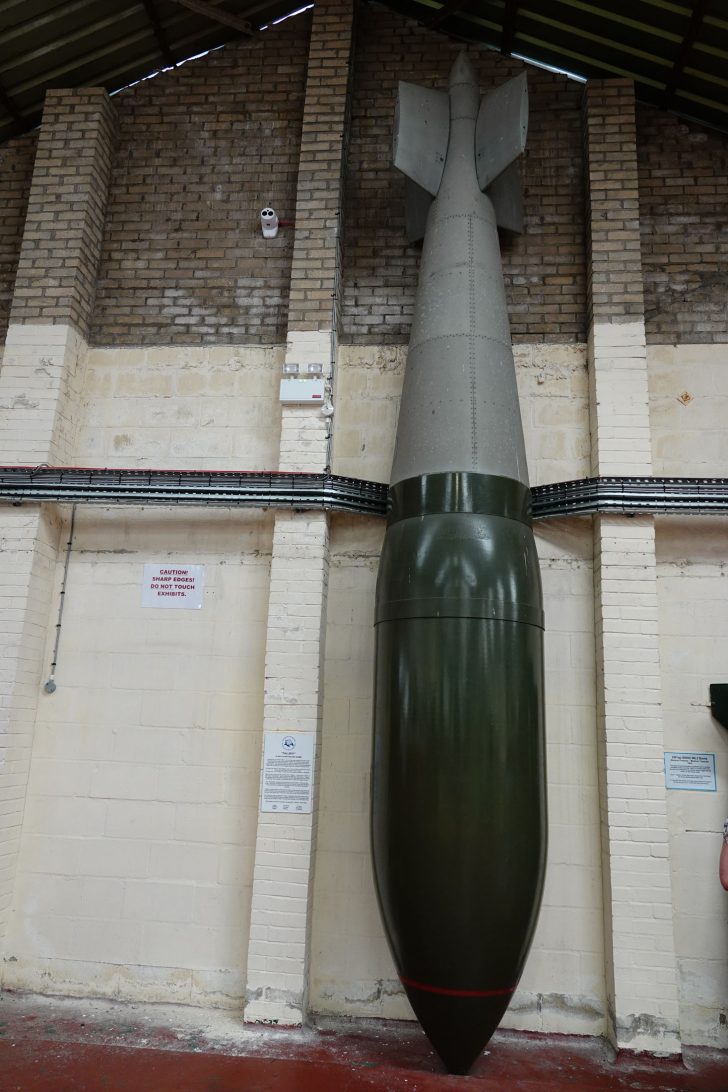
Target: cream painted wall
x=688, y=411
x=351, y=969
x=352, y=972
x=552, y=386
x=693, y=597
x=562, y=989
x=137, y=848
x=181, y=408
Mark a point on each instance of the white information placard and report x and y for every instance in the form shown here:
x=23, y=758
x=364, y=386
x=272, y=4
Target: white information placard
x=287, y=772
x=694, y=770
x=172, y=585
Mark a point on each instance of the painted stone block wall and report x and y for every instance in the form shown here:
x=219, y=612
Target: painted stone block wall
x=16, y=170
x=692, y=581
x=544, y=269
x=688, y=406
x=136, y=860
x=183, y=407
x=683, y=173
x=688, y=409
x=553, y=392
x=201, y=151
x=137, y=849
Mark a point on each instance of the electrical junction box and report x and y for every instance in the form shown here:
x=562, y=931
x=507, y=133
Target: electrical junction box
x=302, y=390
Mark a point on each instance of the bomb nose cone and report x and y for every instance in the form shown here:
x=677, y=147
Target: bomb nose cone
x=458, y=1027
x=462, y=71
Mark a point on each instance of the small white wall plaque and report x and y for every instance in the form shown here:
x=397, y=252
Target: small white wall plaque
x=287, y=772
x=693, y=770
x=172, y=585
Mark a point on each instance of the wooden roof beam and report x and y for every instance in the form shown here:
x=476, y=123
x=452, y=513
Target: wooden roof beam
x=509, y=26
x=159, y=34
x=450, y=7
x=673, y=80
x=19, y=123
x=219, y=15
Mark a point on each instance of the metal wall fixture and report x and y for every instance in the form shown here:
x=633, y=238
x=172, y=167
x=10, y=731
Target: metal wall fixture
x=50, y=684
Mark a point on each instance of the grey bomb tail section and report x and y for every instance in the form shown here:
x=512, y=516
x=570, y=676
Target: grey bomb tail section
x=459, y=408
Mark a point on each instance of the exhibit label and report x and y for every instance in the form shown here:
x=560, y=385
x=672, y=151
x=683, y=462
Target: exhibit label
x=287, y=772
x=693, y=770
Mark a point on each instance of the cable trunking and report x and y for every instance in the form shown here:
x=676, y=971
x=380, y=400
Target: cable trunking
x=332, y=492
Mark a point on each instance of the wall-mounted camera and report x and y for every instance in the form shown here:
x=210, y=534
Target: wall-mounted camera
x=269, y=223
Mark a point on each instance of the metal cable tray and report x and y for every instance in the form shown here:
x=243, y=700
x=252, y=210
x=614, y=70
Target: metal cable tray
x=271, y=489
x=696, y=496
x=246, y=489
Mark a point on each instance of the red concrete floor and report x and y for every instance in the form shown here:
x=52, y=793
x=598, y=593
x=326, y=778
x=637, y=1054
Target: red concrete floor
x=60, y=1045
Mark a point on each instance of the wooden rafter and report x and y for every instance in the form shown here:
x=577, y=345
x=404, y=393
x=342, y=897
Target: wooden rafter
x=509, y=26
x=450, y=7
x=673, y=80
x=219, y=15
x=19, y=123
x=159, y=34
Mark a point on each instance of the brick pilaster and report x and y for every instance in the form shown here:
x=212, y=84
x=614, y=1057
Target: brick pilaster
x=59, y=258
x=278, y=950
x=54, y=287
x=640, y=955
x=280, y=915
x=39, y=392
x=320, y=169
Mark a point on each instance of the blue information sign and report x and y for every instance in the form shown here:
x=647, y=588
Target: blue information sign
x=692, y=770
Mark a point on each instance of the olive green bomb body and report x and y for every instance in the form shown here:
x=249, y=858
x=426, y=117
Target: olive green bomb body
x=458, y=771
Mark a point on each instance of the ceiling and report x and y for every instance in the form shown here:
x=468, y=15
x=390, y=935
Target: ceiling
x=677, y=53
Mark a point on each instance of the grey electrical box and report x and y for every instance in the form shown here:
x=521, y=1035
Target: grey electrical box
x=302, y=390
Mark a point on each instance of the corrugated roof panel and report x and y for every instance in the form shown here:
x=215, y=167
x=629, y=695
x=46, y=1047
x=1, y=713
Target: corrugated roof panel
x=675, y=51
x=102, y=42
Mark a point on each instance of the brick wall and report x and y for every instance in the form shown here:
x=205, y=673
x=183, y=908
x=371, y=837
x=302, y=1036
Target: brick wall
x=544, y=269
x=683, y=172
x=16, y=171
x=201, y=151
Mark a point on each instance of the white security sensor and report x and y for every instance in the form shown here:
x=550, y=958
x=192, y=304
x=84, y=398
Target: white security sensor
x=269, y=223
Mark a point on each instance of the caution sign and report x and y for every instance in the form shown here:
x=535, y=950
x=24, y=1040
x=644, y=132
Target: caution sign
x=287, y=772
x=172, y=585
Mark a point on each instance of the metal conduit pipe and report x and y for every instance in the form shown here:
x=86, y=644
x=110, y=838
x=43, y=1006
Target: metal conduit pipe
x=272, y=489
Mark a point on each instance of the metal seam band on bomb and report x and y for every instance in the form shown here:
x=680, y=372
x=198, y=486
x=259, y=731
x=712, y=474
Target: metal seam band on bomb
x=467, y=510
x=459, y=491
x=491, y=610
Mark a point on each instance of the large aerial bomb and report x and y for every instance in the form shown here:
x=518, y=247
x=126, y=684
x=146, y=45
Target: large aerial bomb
x=458, y=770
